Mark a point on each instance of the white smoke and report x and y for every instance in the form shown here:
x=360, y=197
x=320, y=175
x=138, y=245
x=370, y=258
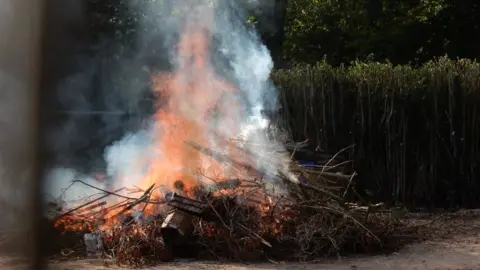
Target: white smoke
x=60, y=186
x=249, y=61
x=250, y=65
x=128, y=159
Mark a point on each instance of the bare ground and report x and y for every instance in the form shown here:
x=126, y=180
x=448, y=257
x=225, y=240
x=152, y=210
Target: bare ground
x=454, y=244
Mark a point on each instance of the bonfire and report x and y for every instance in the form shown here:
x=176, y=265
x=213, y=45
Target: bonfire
x=222, y=189
x=234, y=219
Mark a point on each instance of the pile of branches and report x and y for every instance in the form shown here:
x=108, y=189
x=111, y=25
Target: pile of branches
x=310, y=217
x=313, y=219
x=138, y=244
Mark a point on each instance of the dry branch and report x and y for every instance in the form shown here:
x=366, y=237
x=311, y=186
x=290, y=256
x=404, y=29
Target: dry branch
x=311, y=219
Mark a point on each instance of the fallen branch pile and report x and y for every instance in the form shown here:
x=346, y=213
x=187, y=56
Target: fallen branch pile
x=299, y=214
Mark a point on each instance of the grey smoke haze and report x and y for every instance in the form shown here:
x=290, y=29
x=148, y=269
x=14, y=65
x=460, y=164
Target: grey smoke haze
x=237, y=49
x=98, y=85
x=126, y=159
x=74, y=194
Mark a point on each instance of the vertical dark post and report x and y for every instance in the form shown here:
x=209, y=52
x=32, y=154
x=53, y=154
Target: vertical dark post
x=20, y=75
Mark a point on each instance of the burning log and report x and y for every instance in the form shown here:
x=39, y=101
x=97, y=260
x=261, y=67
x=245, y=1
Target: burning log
x=179, y=221
x=193, y=207
x=180, y=217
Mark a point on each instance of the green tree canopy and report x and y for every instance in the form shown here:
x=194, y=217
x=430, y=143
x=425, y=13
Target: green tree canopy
x=400, y=31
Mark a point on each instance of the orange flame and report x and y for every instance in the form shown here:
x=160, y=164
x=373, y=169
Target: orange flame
x=194, y=92
x=191, y=97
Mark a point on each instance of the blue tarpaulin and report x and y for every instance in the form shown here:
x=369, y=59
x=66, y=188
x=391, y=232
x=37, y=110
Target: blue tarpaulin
x=307, y=163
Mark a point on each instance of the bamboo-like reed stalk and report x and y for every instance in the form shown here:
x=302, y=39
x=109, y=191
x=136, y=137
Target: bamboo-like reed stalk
x=415, y=129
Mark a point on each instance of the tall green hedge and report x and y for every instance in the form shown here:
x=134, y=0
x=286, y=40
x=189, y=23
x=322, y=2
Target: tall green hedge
x=415, y=131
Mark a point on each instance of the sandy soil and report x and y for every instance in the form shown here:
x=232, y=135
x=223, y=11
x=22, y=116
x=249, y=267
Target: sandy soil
x=463, y=254
x=455, y=244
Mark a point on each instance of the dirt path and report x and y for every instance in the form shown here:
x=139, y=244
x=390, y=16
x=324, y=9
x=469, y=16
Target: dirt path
x=456, y=246
x=463, y=254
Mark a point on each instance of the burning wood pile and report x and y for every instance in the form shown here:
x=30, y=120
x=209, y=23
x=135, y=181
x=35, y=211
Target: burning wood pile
x=299, y=215
x=198, y=189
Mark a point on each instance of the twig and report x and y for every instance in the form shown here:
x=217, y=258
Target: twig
x=143, y=198
x=92, y=207
x=431, y=221
x=115, y=193
x=64, y=190
x=66, y=254
x=328, y=168
x=346, y=215
x=334, y=156
x=329, y=194
x=272, y=210
x=335, y=175
x=297, y=145
x=220, y=157
x=348, y=186
x=218, y=215
x=109, y=209
x=86, y=204
x=106, y=191
x=272, y=261
x=255, y=234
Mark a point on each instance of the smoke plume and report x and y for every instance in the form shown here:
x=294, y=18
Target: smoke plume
x=234, y=57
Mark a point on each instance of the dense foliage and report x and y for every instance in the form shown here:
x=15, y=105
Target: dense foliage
x=394, y=30
x=341, y=31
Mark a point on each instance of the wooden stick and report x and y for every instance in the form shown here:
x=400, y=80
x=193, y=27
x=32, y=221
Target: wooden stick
x=333, y=210
x=109, y=209
x=86, y=204
x=337, y=175
x=348, y=186
x=255, y=234
x=143, y=198
x=220, y=157
x=118, y=195
x=106, y=191
x=92, y=207
x=329, y=194
x=333, y=158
